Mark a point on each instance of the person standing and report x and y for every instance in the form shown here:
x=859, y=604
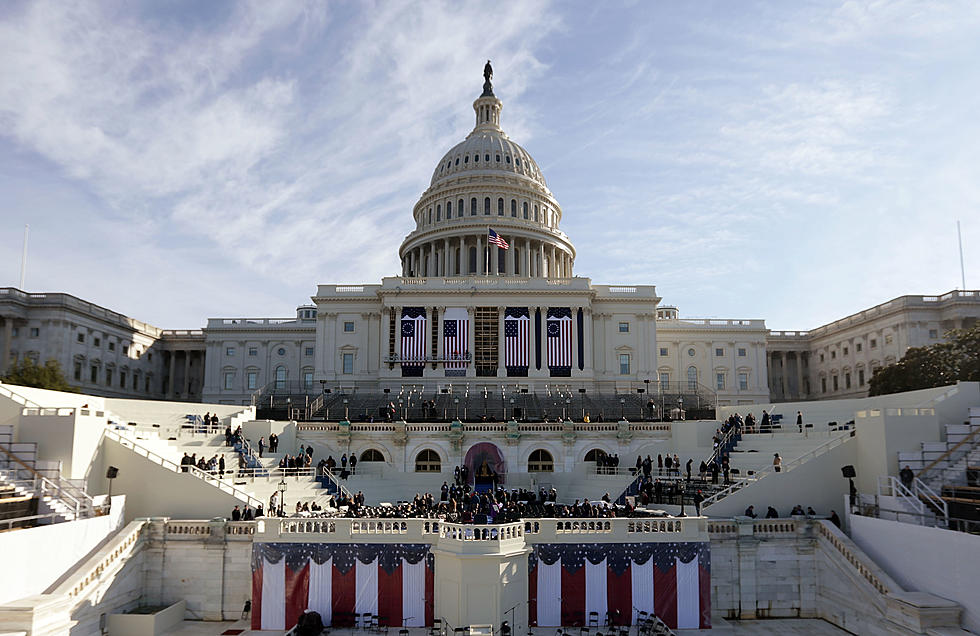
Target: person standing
x=677, y=465
x=688, y=468
x=236, y=514
x=353, y=463
x=668, y=464
x=343, y=462
x=906, y=476
x=777, y=462
x=660, y=464
x=261, y=446
x=221, y=465
x=698, y=498
x=799, y=420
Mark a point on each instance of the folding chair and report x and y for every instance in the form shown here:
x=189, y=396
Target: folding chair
x=594, y=619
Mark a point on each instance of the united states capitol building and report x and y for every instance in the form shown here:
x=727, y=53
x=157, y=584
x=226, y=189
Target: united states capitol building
x=523, y=321
x=501, y=360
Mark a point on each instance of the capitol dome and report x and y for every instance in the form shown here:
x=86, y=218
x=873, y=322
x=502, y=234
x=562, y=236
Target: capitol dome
x=487, y=182
x=486, y=151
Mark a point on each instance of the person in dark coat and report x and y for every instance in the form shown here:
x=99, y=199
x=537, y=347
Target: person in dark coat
x=907, y=477
x=353, y=463
x=799, y=420
x=236, y=514
x=698, y=498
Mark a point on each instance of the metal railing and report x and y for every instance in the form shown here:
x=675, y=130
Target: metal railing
x=70, y=495
x=920, y=498
x=204, y=475
x=8, y=524
x=953, y=455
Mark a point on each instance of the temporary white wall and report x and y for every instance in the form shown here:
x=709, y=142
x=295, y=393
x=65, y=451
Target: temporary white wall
x=941, y=562
x=41, y=555
x=816, y=483
x=153, y=490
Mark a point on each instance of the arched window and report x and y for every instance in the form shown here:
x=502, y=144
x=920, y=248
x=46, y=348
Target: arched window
x=428, y=462
x=536, y=213
x=372, y=455
x=595, y=455
x=472, y=260
x=692, y=378
x=486, y=206
x=525, y=210
x=500, y=207
x=473, y=206
x=517, y=261
x=513, y=208
x=460, y=207
x=280, y=377
x=430, y=215
x=540, y=461
x=438, y=213
x=449, y=209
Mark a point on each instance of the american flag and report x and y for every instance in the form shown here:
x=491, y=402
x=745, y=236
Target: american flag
x=413, y=335
x=517, y=322
x=495, y=239
x=455, y=340
x=560, y=339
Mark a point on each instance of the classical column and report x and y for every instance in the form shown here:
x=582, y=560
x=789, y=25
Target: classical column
x=173, y=378
x=430, y=259
x=185, y=385
x=480, y=256
x=799, y=374
x=512, y=256
x=501, y=368
x=8, y=334
x=587, y=326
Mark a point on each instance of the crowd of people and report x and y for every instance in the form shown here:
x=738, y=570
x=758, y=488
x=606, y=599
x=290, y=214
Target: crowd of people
x=459, y=503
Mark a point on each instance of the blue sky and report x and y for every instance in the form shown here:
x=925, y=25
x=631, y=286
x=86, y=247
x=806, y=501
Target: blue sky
x=793, y=161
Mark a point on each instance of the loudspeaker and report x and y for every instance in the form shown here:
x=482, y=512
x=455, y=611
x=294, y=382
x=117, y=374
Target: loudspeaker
x=111, y=473
x=848, y=472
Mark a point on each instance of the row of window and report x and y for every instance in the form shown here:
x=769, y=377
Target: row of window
x=487, y=159
x=281, y=351
x=872, y=343
x=281, y=375
x=524, y=210
x=721, y=380
x=110, y=377
x=719, y=351
x=847, y=381
x=97, y=342
x=34, y=332
x=428, y=460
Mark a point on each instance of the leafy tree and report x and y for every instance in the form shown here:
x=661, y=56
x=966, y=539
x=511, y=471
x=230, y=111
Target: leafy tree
x=938, y=365
x=29, y=373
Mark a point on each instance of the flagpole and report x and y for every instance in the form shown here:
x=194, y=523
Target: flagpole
x=488, y=251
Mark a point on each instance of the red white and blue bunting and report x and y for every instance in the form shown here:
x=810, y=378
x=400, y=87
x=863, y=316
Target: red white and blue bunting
x=339, y=580
x=670, y=580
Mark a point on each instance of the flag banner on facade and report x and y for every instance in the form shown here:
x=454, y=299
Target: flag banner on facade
x=495, y=239
x=413, y=341
x=560, y=341
x=456, y=341
x=337, y=580
x=517, y=322
x=566, y=582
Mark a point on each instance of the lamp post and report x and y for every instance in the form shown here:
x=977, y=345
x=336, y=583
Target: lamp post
x=622, y=408
x=456, y=402
x=346, y=412
x=289, y=408
x=511, y=409
x=401, y=410
x=680, y=408
x=282, y=496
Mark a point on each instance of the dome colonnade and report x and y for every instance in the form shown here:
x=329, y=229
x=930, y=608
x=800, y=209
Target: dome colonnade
x=487, y=181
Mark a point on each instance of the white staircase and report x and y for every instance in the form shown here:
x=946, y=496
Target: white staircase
x=945, y=463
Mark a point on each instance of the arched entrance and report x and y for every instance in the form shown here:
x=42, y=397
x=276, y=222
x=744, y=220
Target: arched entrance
x=486, y=466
